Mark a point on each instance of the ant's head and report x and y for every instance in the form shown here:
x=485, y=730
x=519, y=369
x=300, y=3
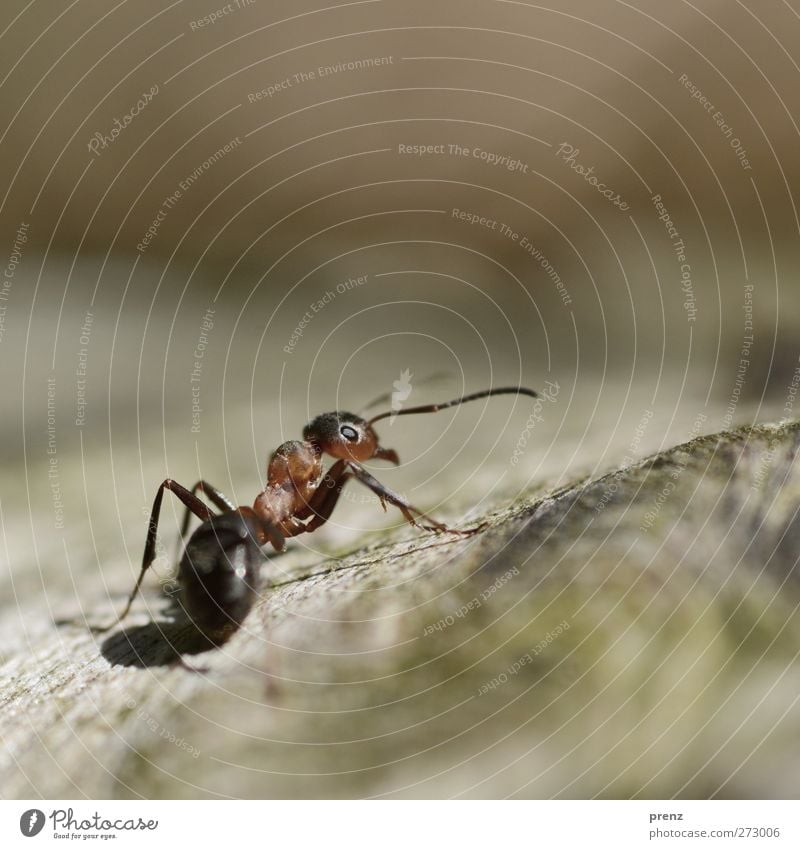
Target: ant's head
x=346, y=436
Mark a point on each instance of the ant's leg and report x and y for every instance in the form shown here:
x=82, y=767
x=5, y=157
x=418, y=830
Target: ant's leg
x=292, y=527
x=324, y=500
x=276, y=536
x=385, y=494
x=192, y=502
x=268, y=532
x=214, y=495
x=322, y=492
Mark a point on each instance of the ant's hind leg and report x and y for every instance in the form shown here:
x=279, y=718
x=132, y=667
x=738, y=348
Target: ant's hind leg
x=410, y=513
x=214, y=495
x=192, y=503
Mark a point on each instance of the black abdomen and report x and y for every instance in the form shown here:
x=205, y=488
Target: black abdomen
x=219, y=572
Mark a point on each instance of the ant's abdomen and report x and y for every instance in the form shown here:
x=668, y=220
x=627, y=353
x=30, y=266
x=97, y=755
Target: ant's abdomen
x=218, y=573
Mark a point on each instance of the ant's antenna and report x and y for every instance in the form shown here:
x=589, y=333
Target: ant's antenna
x=434, y=408
x=387, y=396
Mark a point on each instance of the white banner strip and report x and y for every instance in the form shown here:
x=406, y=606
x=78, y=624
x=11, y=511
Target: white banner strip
x=403, y=824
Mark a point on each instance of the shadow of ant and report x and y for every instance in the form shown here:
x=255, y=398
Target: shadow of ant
x=160, y=643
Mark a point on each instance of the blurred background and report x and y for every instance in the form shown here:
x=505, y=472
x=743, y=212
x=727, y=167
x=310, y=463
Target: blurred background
x=218, y=220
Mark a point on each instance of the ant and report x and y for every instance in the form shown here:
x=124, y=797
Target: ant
x=218, y=573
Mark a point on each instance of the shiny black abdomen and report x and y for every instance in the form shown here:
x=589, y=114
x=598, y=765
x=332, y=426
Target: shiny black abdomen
x=219, y=573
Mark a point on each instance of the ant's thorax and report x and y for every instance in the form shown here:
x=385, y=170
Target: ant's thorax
x=294, y=472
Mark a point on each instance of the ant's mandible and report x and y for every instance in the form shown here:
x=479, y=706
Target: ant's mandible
x=218, y=573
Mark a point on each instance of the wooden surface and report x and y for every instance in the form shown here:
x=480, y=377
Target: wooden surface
x=568, y=650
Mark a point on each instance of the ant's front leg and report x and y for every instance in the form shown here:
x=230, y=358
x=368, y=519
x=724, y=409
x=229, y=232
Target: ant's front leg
x=192, y=503
x=324, y=500
x=409, y=511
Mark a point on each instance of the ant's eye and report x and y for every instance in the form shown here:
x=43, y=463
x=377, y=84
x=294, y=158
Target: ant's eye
x=349, y=433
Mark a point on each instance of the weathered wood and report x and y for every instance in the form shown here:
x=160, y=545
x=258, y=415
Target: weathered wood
x=632, y=635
